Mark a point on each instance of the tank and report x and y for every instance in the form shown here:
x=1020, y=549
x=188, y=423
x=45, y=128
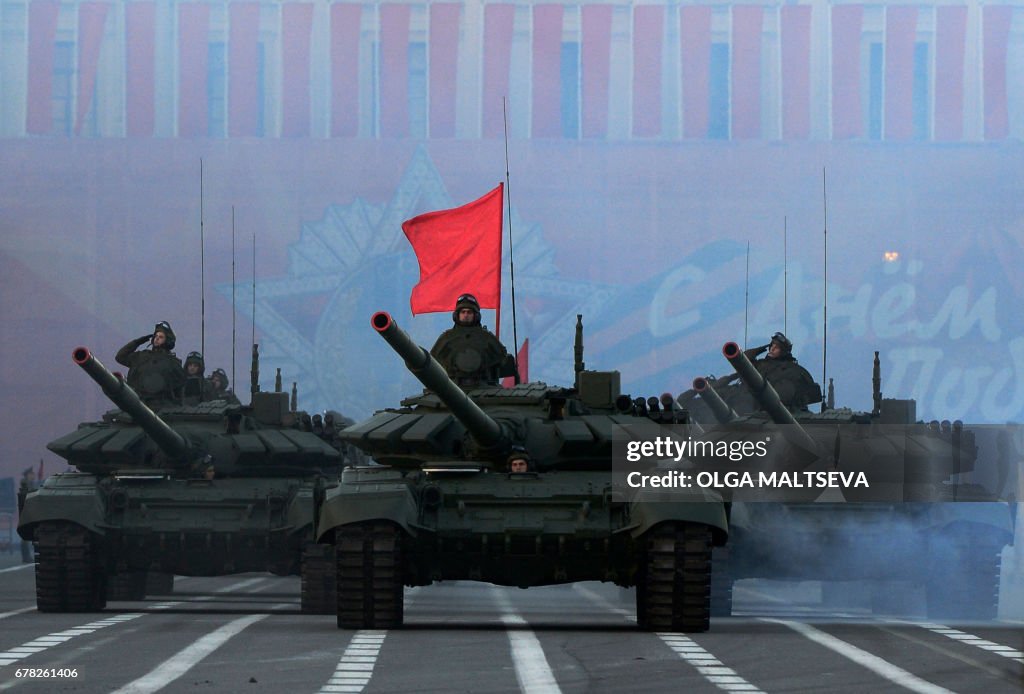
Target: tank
x=941, y=532
x=203, y=490
x=441, y=505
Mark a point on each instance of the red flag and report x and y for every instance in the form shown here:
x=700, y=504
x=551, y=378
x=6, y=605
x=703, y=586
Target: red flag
x=522, y=366
x=459, y=252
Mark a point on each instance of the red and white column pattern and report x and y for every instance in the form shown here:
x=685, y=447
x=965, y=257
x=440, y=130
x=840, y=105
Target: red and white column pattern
x=547, y=71
x=445, y=21
x=900, y=36
x=648, y=32
x=497, y=48
x=950, y=38
x=296, y=29
x=140, y=68
x=847, y=120
x=695, y=50
x=193, y=61
x=595, y=64
x=746, y=71
x=995, y=36
x=345, y=24
x=795, y=21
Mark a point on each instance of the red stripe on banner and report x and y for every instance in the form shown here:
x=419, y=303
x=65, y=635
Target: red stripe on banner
x=547, y=71
x=695, y=40
x=394, y=70
x=995, y=39
x=796, y=72
x=92, y=17
x=746, y=71
x=595, y=59
x=950, y=42
x=648, y=22
x=498, y=21
x=847, y=120
x=296, y=29
x=140, y=68
x=243, y=68
x=42, y=29
x=900, y=33
x=193, y=59
x=345, y=21
x=444, y=51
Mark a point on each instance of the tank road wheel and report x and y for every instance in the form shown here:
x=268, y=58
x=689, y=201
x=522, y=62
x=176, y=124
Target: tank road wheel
x=69, y=577
x=673, y=590
x=159, y=583
x=370, y=580
x=128, y=585
x=319, y=589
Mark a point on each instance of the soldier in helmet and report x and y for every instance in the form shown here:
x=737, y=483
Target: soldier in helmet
x=154, y=373
x=518, y=460
x=470, y=354
x=197, y=388
x=793, y=383
x=219, y=384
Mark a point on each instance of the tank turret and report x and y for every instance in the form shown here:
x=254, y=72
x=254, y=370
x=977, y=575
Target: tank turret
x=485, y=431
x=169, y=441
x=723, y=413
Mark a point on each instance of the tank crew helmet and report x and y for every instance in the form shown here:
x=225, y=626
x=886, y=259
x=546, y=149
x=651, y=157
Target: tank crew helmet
x=165, y=328
x=783, y=342
x=518, y=453
x=195, y=358
x=222, y=375
x=463, y=302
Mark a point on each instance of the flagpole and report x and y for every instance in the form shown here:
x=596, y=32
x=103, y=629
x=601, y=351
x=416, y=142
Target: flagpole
x=511, y=261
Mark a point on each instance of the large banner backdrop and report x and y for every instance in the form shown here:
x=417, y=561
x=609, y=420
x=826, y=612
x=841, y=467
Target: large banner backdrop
x=679, y=175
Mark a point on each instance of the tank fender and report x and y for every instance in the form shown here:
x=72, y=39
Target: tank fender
x=84, y=509
x=394, y=503
x=645, y=513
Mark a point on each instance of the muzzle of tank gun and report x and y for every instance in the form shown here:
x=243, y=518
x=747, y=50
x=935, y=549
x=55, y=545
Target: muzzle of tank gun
x=719, y=408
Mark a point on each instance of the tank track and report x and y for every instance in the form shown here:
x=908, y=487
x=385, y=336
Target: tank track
x=69, y=577
x=319, y=588
x=370, y=576
x=673, y=591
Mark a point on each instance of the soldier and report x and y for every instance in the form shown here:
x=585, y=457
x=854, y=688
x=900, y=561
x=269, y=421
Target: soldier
x=28, y=485
x=219, y=384
x=518, y=460
x=793, y=383
x=155, y=373
x=470, y=354
x=197, y=388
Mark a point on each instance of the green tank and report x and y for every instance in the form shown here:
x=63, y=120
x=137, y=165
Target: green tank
x=203, y=490
x=442, y=506
x=936, y=531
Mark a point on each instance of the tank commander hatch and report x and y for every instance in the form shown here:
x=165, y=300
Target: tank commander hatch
x=155, y=373
x=793, y=383
x=470, y=354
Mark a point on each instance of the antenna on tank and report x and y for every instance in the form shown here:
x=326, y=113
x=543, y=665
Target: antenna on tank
x=234, y=312
x=254, y=370
x=511, y=261
x=746, y=298
x=202, y=268
x=824, y=306
x=785, y=277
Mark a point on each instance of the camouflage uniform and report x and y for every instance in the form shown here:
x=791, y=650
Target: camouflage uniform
x=197, y=388
x=220, y=390
x=470, y=354
x=155, y=374
x=793, y=383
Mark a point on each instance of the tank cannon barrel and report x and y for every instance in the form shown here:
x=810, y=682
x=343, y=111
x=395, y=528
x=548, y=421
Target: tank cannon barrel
x=766, y=396
x=487, y=432
x=722, y=412
x=114, y=387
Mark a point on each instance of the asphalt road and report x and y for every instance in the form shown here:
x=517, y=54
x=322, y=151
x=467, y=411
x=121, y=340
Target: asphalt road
x=245, y=634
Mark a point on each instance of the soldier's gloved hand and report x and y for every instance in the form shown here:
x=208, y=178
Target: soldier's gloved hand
x=144, y=339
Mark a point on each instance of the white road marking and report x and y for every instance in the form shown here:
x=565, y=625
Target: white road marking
x=879, y=666
x=357, y=662
x=532, y=669
x=16, y=568
x=187, y=658
x=43, y=642
x=984, y=644
x=629, y=615
x=707, y=664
